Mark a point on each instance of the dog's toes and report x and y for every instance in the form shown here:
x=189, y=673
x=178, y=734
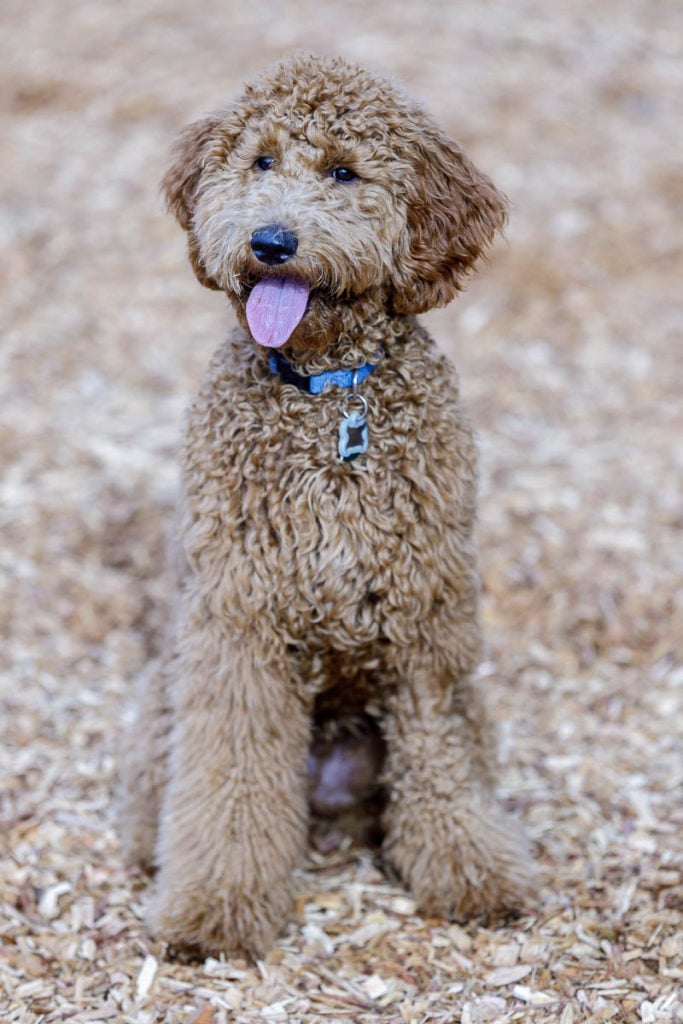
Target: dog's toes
x=465, y=869
x=243, y=924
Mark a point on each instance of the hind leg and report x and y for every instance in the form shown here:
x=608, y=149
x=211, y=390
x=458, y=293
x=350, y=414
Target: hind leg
x=143, y=767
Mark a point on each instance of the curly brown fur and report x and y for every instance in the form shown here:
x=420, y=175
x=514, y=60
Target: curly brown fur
x=320, y=591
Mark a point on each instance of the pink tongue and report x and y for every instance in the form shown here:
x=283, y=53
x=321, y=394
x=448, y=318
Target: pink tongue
x=275, y=308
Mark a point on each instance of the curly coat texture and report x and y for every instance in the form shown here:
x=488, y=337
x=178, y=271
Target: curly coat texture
x=318, y=591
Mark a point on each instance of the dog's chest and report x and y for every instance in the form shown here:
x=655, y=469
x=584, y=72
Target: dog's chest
x=330, y=558
x=312, y=546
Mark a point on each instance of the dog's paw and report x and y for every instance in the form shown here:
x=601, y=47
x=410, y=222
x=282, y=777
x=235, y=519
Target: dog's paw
x=222, y=921
x=463, y=867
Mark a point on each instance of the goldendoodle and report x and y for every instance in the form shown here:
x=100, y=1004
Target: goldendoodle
x=326, y=633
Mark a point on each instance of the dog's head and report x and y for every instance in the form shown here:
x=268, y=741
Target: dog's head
x=324, y=191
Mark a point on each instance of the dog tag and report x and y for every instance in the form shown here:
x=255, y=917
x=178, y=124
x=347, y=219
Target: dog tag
x=353, y=436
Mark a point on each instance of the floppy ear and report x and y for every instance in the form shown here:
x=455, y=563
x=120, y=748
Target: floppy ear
x=210, y=139
x=454, y=212
x=189, y=156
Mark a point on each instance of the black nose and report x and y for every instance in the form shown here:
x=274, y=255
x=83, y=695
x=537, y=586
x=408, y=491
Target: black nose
x=274, y=244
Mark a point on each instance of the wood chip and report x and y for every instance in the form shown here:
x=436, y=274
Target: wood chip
x=375, y=986
x=204, y=1016
x=507, y=975
x=48, y=905
x=146, y=977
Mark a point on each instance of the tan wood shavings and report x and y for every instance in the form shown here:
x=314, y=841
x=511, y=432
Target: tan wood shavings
x=568, y=345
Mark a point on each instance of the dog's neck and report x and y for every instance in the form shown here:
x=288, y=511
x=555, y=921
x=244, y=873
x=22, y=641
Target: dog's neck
x=356, y=347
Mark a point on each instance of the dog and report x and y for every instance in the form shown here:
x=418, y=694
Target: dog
x=321, y=658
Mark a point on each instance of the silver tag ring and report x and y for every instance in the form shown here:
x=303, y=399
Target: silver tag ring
x=354, y=398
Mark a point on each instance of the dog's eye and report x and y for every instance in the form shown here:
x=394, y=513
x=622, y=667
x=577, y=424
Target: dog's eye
x=264, y=163
x=343, y=174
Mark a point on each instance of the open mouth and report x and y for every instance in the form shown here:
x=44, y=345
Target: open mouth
x=275, y=308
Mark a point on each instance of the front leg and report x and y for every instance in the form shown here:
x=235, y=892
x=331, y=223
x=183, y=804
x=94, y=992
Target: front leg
x=445, y=833
x=234, y=819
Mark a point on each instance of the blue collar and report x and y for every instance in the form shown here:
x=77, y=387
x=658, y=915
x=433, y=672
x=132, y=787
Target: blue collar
x=314, y=383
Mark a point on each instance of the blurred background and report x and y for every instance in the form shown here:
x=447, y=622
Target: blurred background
x=568, y=343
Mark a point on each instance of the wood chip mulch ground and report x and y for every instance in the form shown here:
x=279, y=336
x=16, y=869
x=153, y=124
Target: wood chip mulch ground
x=569, y=347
